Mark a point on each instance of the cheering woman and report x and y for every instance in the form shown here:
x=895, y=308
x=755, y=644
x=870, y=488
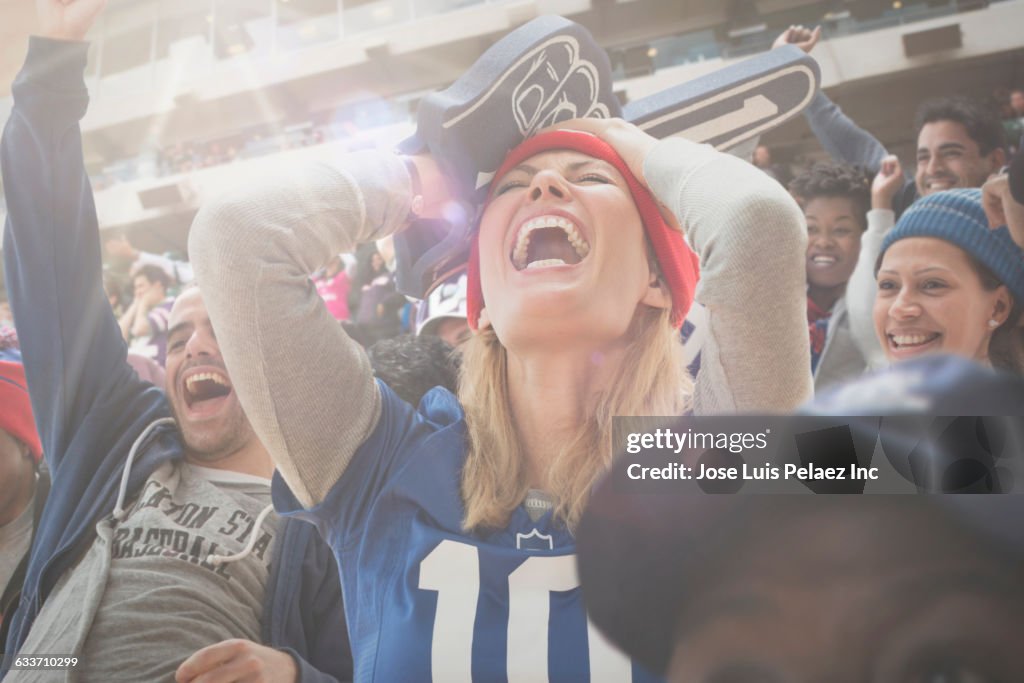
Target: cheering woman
x=453, y=521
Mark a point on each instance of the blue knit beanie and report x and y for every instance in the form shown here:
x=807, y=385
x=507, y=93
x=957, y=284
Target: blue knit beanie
x=957, y=216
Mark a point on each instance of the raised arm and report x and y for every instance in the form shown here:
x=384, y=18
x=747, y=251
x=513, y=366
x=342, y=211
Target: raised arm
x=72, y=347
x=306, y=387
x=843, y=139
x=1001, y=207
x=861, y=289
x=750, y=237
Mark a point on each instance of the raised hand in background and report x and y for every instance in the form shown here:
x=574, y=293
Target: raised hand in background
x=67, y=19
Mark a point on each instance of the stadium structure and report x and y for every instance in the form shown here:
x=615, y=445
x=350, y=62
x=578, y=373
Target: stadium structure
x=190, y=97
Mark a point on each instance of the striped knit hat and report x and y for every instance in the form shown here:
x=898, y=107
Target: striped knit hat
x=679, y=266
x=957, y=216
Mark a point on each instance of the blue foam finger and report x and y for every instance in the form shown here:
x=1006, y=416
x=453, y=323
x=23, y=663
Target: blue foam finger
x=551, y=70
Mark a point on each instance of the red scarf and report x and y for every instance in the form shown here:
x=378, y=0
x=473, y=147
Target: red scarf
x=817, y=324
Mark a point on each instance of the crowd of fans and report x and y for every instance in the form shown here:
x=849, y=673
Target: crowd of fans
x=190, y=156
x=358, y=290
x=1010, y=105
x=898, y=267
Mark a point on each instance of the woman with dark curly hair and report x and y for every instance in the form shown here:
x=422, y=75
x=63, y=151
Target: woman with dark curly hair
x=835, y=199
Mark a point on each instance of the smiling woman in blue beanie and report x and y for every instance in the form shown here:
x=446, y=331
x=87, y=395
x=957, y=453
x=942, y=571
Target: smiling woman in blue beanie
x=948, y=283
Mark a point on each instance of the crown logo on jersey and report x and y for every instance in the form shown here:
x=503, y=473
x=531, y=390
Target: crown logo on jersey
x=534, y=540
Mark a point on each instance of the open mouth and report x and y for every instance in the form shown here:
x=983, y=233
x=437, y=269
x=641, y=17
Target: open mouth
x=823, y=260
x=912, y=342
x=203, y=389
x=939, y=183
x=548, y=241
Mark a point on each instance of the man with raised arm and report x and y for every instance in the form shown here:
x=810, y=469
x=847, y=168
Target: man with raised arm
x=157, y=556
x=959, y=143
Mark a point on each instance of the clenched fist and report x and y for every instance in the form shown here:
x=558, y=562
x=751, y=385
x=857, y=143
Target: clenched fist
x=887, y=183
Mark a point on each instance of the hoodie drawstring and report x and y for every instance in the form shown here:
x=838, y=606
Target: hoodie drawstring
x=119, y=512
x=224, y=559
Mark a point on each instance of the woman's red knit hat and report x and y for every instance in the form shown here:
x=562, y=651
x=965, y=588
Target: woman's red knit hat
x=679, y=265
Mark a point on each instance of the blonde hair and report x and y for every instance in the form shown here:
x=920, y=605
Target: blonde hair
x=651, y=380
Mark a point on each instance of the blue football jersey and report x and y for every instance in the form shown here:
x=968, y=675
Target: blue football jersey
x=426, y=601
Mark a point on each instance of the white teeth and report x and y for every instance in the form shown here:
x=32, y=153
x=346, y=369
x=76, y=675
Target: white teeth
x=519, y=253
x=210, y=376
x=545, y=262
x=912, y=339
x=824, y=260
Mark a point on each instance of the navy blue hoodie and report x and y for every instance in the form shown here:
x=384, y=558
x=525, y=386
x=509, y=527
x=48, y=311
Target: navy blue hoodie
x=89, y=404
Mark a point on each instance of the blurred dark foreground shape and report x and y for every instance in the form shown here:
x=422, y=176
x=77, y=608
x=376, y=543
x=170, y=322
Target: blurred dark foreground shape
x=924, y=588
